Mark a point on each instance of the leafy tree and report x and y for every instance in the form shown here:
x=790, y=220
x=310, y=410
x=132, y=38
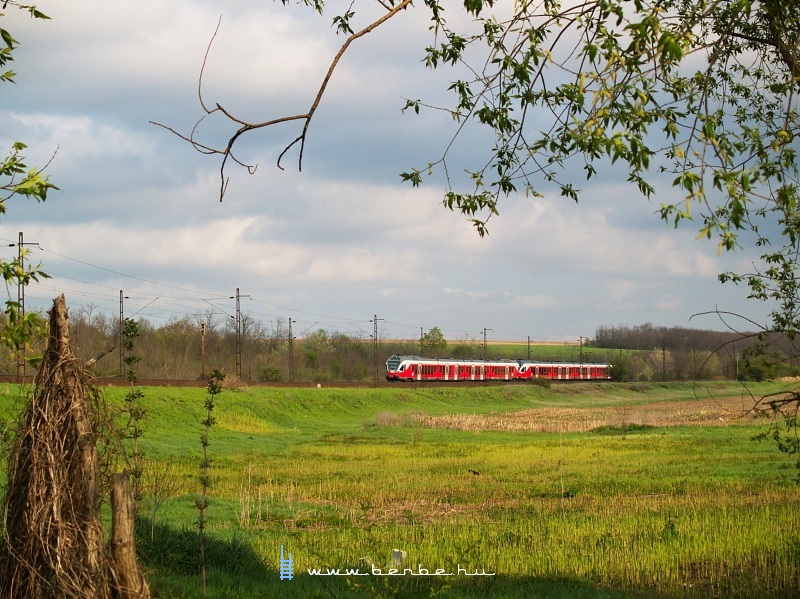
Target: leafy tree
x=757, y=368
x=620, y=369
x=433, y=343
x=695, y=102
x=17, y=179
x=268, y=374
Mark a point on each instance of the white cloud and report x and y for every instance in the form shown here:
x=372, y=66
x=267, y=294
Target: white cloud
x=343, y=237
x=668, y=302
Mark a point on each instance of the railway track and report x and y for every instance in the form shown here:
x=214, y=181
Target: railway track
x=122, y=382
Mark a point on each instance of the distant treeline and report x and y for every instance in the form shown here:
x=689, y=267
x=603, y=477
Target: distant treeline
x=671, y=353
x=647, y=336
x=264, y=352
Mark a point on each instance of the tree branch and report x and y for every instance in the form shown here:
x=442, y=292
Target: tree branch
x=245, y=127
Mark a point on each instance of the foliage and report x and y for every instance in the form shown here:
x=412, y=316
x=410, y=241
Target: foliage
x=620, y=369
x=20, y=326
x=433, y=343
x=756, y=368
x=464, y=350
x=17, y=179
x=267, y=374
x=703, y=93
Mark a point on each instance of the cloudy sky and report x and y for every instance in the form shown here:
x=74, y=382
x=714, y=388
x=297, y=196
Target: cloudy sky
x=330, y=246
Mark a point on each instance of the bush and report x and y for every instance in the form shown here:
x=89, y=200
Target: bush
x=620, y=369
x=270, y=374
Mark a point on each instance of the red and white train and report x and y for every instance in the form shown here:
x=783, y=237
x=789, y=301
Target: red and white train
x=415, y=368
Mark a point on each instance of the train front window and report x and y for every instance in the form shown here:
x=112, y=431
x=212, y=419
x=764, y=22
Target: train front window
x=393, y=363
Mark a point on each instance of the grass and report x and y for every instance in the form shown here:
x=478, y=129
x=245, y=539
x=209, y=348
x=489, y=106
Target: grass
x=574, y=491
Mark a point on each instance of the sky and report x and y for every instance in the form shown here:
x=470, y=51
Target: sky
x=333, y=246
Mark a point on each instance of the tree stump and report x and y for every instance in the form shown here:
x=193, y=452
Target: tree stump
x=53, y=543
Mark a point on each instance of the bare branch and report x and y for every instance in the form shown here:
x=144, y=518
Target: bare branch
x=245, y=126
x=203, y=67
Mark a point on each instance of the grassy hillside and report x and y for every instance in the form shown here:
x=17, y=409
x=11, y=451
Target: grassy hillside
x=575, y=491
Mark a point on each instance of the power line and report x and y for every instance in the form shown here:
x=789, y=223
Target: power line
x=183, y=303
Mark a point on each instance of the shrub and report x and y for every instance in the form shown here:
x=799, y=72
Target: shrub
x=270, y=374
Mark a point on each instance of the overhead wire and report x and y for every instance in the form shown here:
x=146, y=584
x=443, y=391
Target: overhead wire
x=191, y=304
x=184, y=303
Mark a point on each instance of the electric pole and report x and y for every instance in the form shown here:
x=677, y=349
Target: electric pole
x=239, y=334
x=203, y=349
x=291, y=352
x=238, y=337
x=121, y=334
x=485, y=356
x=21, y=297
x=375, y=350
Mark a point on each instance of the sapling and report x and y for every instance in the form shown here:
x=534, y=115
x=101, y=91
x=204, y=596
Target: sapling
x=213, y=389
x=136, y=414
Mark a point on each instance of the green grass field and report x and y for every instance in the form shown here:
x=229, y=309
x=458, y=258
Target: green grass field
x=613, y=490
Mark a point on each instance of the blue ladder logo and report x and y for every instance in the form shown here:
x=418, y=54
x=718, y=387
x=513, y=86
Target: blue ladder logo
x=286, y=567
